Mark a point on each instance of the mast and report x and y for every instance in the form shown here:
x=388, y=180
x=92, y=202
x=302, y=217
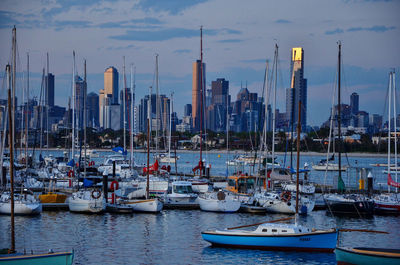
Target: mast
x=84, y=118
x=227, y=134
x=298, y=161
x=131, y=120
x=274, y=106
x=47, y=107
x=124, y=105
x=73, y=111
x=395, y=124
x=389, y=124
x=13, y=76
x=264, y=145
x=201, y=100
x=170, y=132
x=339, y=115
x=41, y=110
x=148, y=146
x=11, y=147
x=157, y=106
x=27, y=114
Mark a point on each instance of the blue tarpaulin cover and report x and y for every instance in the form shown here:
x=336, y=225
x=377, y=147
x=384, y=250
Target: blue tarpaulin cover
x=87, y=183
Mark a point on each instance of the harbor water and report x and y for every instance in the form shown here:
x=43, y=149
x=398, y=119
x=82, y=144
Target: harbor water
x=174, y=236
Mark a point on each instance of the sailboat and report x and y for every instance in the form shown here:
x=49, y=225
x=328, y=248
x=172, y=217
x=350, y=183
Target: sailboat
x=284, y=200
x=346, y=204
x=273, y=236
x=150, y=205
x=389, y=203
x=12, y=257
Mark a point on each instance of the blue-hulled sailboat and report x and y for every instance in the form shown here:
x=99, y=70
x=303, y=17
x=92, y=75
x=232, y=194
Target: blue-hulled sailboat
x=272, y=236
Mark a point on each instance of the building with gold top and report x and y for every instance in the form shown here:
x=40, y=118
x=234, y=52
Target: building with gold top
x=196, y=85
x=109, y=112
x=298, y=89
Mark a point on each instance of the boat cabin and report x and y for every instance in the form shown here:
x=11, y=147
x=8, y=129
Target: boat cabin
x=241, y=184
x=279, y=229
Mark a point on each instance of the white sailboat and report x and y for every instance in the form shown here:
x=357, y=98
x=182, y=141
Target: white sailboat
x=389, y=203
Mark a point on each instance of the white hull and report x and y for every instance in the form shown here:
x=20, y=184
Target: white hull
x=83, y=202
x=149, y=206
x=330, y=167
x=179, y=201
x=21, y=208
x=274, y=204
x=214, y=205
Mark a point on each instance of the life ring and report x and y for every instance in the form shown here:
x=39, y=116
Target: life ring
x=91, y=163
x=71, y=173
x=286, y=196
x=96, y=194
x=114, y=185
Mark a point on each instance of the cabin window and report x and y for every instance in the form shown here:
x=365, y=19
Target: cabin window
x=183, y=189
x=284, y=231
x=265, y=230
x=231, y=183
x=274, y=230
x=300, y=230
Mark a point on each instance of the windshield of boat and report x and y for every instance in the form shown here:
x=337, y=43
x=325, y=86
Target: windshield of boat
x=183, y=189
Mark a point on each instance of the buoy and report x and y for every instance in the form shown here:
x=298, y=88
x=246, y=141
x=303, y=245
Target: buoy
x=219, y=155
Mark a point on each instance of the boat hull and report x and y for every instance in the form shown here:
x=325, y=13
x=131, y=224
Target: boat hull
x=147, y=206
x=21, y=208
x=86, y=206
x=321, y=242
x=59, y=258
x=212, y=205
x=363, y=208
x=366, y=256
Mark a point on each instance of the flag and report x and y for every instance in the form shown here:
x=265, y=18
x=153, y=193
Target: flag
x=392, y=183
x=87, y=183
x=71, y=163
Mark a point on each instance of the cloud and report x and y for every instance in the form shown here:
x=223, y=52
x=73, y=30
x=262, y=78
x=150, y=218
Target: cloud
x=162, y=34
x=181, y=51
x=66, y=5
x=373, y=29
x=171, y=6
x=283, y=21
x=61, y=24
x=335, y=31
x=146, y=22
x=7, y=19
x=230, y=41
x=115, y=48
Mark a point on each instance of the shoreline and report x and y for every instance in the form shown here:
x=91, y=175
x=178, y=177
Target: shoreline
x=224, y=152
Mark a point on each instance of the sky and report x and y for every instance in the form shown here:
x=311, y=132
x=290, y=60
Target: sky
x=238, y=37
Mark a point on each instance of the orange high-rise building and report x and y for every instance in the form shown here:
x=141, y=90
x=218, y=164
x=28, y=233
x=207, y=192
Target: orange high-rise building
x=196, y=84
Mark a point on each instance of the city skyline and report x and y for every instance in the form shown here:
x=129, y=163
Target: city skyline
x=236, y=45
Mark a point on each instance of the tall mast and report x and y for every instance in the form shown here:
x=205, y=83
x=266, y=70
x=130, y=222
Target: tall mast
x=124, y=106
x=201, y=100
x=157, y=106
x=41, y=102
x=395, y=124
x=11, y=147
x=170, y=131
x=73, y=111
x=148, y=145
x=265, y=88
x=27, y=113
x=339, y=115
x=47, y=106
x=131, y=120
x=13, y=76
x=298, y=160
x=274, y=106
x=389, y=124
x=227, y=134
x=84, y=118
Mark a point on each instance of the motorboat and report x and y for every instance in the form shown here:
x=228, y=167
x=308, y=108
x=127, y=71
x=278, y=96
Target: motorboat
x=218, y=202
x=181, y=195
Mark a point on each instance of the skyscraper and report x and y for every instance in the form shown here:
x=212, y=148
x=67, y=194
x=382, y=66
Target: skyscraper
x=220, y=100
x=50, y=89
x=187, y=110
x=354, y=103
x=298, y=89
x=196, y=96
x=109, y=96
x=92, y=100
x=80, y=86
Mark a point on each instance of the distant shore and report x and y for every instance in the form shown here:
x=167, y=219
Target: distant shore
x=223, y=151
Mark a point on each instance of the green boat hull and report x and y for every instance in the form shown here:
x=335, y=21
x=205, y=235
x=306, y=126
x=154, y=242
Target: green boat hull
x=59, y=258
x=378, y=257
